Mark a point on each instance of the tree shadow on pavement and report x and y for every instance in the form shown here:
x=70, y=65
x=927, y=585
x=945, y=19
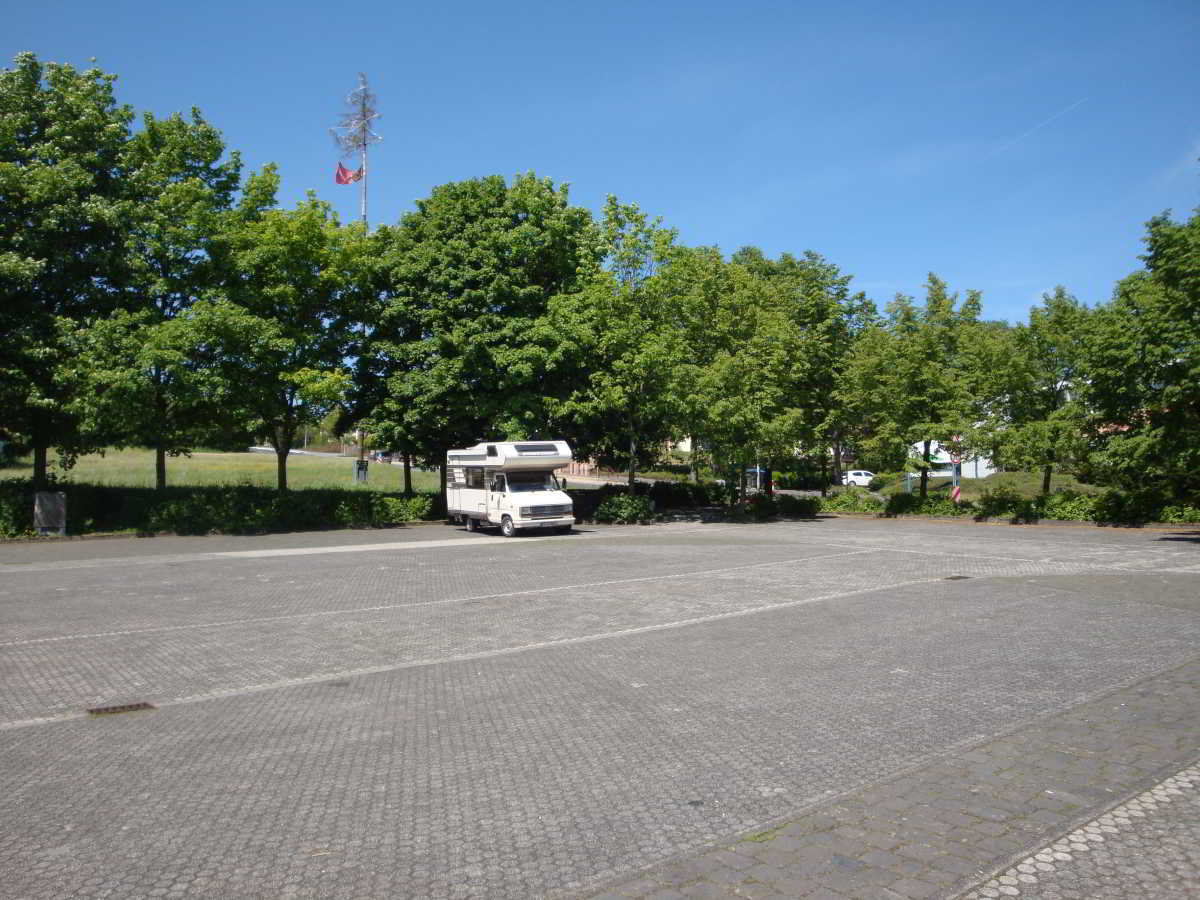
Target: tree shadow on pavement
x=1189, y=536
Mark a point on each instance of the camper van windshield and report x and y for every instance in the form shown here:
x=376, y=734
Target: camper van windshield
x=532, y=481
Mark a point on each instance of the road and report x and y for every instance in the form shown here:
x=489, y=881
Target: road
x=840, y=707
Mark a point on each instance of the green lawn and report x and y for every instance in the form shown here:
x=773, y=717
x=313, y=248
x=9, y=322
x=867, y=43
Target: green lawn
x=135, y=468
x=1027, y=484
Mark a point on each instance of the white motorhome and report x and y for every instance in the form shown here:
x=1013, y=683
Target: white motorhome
x=510, y=484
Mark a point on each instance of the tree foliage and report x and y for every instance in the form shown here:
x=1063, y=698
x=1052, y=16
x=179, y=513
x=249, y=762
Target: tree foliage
x=63, y=228
x=463, y=285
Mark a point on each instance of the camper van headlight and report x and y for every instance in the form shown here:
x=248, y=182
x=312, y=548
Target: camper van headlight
x=525, y=511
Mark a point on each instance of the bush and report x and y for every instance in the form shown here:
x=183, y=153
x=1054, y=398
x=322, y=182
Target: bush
x=798, y=506
x=1180, y=514
x=1128, y=509
x=1005, y=502
x=622, y=509
x=900, y=504
x=852, y=499
x=1069, y=506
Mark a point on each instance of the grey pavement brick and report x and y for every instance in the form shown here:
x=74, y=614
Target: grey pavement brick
x=546, y=717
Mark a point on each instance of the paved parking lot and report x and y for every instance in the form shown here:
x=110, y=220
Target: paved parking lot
x=671, y=710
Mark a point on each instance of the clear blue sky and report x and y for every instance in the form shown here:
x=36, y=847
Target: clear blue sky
x=1008, y=147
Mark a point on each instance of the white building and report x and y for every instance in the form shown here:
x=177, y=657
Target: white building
x=942, y=465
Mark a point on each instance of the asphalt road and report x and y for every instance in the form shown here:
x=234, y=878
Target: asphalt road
x=426, y=713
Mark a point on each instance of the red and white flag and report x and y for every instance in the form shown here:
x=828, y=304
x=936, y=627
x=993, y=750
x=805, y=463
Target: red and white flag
x=347, y=176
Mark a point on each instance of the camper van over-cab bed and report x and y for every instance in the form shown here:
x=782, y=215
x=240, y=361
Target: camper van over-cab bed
x=510, y=484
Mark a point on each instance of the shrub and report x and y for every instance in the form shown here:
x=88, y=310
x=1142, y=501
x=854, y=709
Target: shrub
x=1180, y=514
x=623, y=509
x=851, y=500
x=1128, y=509
x=798, y=506
x=1004, y=502
x=900, y=504
x=1068, y=505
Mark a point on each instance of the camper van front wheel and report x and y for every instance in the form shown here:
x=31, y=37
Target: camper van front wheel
x=506, y=527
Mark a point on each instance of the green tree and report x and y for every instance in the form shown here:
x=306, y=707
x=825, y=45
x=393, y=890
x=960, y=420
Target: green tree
x=908, y=381
x=272, y=346
x=622, y=331
x=464, y=282
x=1144, y=367
x=1032, y=377
x=823, y=319
x=132, y=382
x=63, y=227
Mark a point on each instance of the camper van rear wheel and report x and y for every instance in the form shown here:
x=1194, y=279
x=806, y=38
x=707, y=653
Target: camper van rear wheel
x=472, y=524
x=506, y=527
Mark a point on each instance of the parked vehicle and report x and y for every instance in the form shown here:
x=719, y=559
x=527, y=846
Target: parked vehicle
x=509, y=484
x=860, y=477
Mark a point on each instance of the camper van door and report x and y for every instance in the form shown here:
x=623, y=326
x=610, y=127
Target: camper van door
x=497, y=498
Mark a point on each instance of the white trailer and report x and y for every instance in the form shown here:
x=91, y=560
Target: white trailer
x=510, y=484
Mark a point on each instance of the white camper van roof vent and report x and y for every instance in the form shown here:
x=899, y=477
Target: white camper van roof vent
x=536, y=449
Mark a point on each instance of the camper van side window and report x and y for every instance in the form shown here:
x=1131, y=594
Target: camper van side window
x=475, y=478
x=491, y=451
x=498, y=484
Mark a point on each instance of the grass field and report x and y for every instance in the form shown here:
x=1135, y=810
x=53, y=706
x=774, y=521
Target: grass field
x=135, y=468
x=1027, y=484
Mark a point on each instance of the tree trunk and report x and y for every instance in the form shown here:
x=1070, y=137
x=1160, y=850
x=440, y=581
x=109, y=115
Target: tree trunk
x=39, y=467
x=1046, y=480
x=836, y=449
x=632, y=462
x=925, y=471
x=160, y=468
x=824, y=477
x=693, y=469
x=283, y=446
x=407, y=473
x=160, y=449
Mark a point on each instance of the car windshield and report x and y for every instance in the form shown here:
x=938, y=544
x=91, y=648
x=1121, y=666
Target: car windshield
x=519, y=482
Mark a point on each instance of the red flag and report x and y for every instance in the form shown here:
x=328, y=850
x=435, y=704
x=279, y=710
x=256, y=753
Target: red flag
x=346, y=176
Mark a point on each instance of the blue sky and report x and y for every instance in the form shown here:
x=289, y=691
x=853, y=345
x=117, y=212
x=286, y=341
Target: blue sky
x=1008, y=147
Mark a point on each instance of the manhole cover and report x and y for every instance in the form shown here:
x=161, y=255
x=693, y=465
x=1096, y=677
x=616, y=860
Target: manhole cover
x=123, y=708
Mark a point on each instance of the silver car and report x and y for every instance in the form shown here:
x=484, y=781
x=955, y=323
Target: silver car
x=860, y=477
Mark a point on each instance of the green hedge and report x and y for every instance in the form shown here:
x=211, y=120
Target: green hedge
x=241, y=509
x=622, y=509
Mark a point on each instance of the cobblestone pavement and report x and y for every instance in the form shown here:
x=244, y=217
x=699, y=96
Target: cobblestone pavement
x=431, y=714
x=1148, y=847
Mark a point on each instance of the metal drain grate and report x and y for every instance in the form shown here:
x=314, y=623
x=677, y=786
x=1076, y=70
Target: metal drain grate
x=956, y=577
x=124, y=708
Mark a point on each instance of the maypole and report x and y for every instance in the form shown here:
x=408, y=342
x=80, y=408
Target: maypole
x=353, y=135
